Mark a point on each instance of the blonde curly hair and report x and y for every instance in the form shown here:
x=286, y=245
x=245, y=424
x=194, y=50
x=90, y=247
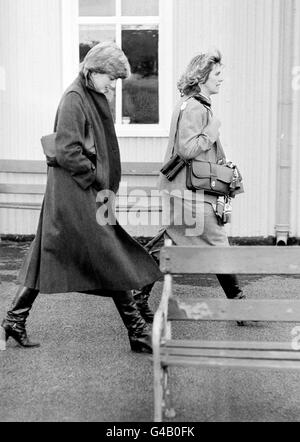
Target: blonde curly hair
x=106, y=58
x=197, y=72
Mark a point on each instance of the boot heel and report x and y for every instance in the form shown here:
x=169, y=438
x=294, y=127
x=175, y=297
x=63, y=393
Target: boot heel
x=18, y=333
x=3, y=339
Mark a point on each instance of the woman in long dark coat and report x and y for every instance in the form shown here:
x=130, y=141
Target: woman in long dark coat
x=72, y=250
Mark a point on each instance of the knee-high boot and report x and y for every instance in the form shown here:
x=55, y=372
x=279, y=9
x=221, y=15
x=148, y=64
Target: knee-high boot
x=141, y=298
x=14, y=323
x=138, y=330
x=230, y=285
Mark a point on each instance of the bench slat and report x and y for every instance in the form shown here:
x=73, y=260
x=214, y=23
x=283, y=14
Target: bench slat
x=39, y=189
x=227, y=362
x=33, y=166
x=142, y=168
x=138, y=191
x=243, y=345
x=194, y=352
x=119, y=208
x=211, y=309
x=23, y=166
x=23, y=189
x=20, y=205
x=263, y=260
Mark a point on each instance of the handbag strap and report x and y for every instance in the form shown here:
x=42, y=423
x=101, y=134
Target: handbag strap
x=182, y=107
x=219, y=149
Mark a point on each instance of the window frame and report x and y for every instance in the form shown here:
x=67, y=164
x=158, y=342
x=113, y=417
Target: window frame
x=70, y=58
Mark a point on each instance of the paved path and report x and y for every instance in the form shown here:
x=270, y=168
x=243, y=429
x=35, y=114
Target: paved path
x=85, y=371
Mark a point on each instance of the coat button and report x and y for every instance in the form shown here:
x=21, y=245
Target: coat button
x=213, y=183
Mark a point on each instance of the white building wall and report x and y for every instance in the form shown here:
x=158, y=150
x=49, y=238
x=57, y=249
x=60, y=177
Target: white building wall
x=30, y=58
x=246, y=32
x=149, y=149
x=295, y=82
x=30, y=87
x=18, y=221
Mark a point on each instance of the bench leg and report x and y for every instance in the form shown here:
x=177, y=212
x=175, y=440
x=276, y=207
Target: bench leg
x=158, y=394
x=2, y=339
x=169, y=411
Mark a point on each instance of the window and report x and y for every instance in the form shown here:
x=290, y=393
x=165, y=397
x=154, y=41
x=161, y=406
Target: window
x=142, y=103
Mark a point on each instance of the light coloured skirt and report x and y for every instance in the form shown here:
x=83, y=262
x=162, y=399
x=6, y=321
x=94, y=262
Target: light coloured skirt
x=192, y=221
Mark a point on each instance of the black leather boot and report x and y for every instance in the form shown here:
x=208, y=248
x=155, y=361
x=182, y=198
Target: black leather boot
x=141, y=298
x=138, y=330
x=230, y=285
x=14, y=323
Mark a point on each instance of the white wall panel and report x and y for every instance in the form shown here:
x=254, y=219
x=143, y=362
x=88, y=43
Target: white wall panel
x=295, y=188
x=18, y=221
x=143, y=149
x=247, y=33
x=30, y=56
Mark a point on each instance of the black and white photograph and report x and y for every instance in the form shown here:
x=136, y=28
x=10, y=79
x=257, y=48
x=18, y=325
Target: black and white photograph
x=150, y=213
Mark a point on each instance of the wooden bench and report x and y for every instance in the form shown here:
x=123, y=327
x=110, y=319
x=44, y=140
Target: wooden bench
x=128, y=197
x=168, y=352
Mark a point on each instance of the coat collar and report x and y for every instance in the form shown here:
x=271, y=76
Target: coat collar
x=203, y=99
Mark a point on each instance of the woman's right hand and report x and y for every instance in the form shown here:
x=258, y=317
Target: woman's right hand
x=212, y=129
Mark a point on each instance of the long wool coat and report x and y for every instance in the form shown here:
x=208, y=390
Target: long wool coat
x=71, y=251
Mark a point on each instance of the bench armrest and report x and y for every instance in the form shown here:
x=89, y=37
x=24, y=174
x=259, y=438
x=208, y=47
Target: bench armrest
x=160, y=333
x=160, y=330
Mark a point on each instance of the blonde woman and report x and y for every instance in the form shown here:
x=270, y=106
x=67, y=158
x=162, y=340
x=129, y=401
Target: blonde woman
x=196, y=218
x=194, y=133
x=72, y=250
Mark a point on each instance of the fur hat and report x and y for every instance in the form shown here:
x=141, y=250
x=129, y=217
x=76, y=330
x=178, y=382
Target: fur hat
x=106, y=58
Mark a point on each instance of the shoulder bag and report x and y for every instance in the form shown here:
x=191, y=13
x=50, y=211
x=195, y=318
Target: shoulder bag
x=215, y=179
x=220, y=179
x=49, y=147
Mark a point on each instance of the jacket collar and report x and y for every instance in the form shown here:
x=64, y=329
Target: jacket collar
x=203, y=99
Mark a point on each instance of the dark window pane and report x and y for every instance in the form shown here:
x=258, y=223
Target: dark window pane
x=100, y=8
x=140, y=91
x=89, y=36
x=140, y=7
